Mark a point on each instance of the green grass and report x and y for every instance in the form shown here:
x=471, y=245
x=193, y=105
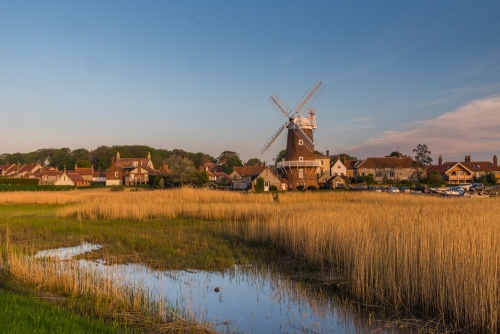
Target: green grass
x=28, y=314
x=160, y=244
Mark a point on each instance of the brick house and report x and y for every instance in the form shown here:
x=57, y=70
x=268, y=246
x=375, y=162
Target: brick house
x=464, y=172
x=387, y=168
x=129, y=171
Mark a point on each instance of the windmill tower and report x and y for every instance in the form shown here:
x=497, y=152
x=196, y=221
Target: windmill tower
x=299, y=167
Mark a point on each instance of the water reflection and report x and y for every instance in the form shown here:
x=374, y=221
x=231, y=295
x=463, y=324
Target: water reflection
x=243, y=300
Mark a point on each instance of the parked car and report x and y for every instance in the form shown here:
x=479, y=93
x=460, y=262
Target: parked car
x=421, y=189
x=476, y=187
x=404, y=189
x=392, y=189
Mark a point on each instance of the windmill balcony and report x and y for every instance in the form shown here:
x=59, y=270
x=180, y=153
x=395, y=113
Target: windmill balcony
x=296, y=163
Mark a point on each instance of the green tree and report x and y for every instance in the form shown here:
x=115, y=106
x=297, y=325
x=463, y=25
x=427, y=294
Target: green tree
x=434, y=178
x=280, y=156
x=228, y=160
x=259, y=185
x=82, y=163
x=254, y=162
x=199, y=177
x=182, y=168
x=423, y=159
x=159, y=182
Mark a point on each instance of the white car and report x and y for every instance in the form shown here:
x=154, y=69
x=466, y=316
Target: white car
x=392, y=189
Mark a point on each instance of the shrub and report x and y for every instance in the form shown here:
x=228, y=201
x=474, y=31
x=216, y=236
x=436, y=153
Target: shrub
x=117, y=188
x=259, y=185
x=273, y=188
x=312, y=188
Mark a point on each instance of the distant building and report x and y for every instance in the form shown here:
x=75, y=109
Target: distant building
x=129, y=171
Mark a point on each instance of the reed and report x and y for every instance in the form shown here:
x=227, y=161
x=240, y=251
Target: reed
x=419, y=254
x=88, y=291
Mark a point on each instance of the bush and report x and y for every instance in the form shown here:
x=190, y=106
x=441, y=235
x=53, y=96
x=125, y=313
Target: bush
x=259, y=185
x=273, y=188
x=312, y=188
x=19, y=181
x=117, y=188
x=300, y=187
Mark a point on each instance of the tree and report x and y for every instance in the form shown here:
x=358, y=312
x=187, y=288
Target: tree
x=229, y=159
x=182, y=168
x=254, y=162
x=423, y=159
x=434, y=178
x=259, y=185
x=280, y=156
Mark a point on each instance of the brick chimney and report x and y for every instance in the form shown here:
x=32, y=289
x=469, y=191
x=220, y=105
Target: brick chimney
x=440, y=160
x=495, y=160
x=467, y=159
x=327, y=153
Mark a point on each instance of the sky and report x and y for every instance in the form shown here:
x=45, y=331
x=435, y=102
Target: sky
x=197, y=75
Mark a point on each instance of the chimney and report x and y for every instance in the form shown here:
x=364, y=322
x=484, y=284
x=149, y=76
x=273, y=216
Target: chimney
x=76, y=167
x=117, y=156
x=112, y=161
x=327, y=153
x=149, y=155
x=440, y=160
x=495, y=160
x=467, y=159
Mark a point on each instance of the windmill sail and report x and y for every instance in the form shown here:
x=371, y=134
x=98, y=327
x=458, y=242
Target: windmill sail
x=273, y=138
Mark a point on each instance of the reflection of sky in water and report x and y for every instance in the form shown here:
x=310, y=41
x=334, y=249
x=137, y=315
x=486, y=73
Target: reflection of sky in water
x=248, y=301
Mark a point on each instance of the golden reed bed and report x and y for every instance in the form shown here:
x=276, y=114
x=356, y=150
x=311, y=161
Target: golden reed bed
x=421, y=253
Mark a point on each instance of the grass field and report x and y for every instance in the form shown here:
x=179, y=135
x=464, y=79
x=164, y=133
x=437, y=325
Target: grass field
x=417, y=255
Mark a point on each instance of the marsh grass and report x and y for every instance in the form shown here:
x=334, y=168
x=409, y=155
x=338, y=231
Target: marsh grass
x=102, y=297
x=415, y=255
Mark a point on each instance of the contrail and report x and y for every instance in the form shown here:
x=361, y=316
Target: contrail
x=195, y=20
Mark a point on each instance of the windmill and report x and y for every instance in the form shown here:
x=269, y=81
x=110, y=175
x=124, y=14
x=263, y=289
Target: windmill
x=299, y=166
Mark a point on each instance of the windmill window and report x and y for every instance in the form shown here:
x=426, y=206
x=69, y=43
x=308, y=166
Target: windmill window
x=301, y=159
x=301, y=142
x=301, y=173
x=116, y=174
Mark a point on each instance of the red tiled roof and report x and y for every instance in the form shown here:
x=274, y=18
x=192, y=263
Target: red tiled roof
x=76, y=178
x=248, y=170
x=442, y=169
x=387, y=162
x=99, y=174
x=482, y=166
x=84, y=171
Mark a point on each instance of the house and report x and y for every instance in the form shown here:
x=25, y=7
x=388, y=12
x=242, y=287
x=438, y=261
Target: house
x=50, y=176
x=396, y=168
x=324, y=171
x=71, y=179
x=335, y=182
x=6, y=168
x=250, y=176
x=464, y=172
x=129, y=171
x=240, y=172
x=99, y=177
x=20, y=170
x=452, y=172
x=85, y=173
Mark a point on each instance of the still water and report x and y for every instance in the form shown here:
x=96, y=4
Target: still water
x=240, y=300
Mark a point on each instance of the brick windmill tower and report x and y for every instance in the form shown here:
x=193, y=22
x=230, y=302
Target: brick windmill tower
x=299, y=167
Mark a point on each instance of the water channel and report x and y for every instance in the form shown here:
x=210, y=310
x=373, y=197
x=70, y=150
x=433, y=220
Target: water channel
x=240, y=300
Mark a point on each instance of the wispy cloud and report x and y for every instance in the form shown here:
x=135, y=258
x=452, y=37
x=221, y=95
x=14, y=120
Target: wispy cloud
x=471, y=129
x=357, y=124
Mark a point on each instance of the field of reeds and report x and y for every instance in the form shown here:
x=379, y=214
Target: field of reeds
x=425, y=256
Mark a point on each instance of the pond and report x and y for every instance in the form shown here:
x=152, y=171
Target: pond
x=240, y=300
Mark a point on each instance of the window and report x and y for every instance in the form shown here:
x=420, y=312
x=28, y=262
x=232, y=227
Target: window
x=301, y=159
x=116, y=174
x=301, y=142
x=266, y=184
x=301, y=173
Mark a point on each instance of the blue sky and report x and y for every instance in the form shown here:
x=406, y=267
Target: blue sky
x=197, y=75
